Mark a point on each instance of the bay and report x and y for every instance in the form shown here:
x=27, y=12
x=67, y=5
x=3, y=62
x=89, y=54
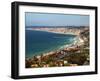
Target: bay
x=40, y=42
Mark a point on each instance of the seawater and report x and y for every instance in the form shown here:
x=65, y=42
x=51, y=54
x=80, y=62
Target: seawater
x=40, y=42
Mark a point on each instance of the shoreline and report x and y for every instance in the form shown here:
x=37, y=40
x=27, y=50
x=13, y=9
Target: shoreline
x=73, y=45
x=57, y=58
x=74, y=54
x=64, y=33
x=61, y=48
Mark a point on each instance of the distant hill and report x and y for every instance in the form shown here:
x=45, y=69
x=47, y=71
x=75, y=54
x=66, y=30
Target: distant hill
x=64, y=30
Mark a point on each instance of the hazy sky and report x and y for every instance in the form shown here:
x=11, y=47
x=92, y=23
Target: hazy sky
x=46, y=19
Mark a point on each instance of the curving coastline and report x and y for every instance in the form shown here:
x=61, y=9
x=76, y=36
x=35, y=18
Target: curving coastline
x=66, y=56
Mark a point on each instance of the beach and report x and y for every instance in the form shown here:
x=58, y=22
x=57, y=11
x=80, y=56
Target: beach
x=68, y=55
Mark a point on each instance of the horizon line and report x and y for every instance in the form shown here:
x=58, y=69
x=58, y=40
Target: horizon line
x=58, y=26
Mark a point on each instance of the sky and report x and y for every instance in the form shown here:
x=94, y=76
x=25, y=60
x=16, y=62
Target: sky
x=47, y=19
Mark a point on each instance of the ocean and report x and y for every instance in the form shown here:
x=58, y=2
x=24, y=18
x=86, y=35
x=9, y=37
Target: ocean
x=40, y=42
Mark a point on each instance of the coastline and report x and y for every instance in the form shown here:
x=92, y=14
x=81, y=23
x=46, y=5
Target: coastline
x=73, y=45
x=76, y=50
x=47, y=30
